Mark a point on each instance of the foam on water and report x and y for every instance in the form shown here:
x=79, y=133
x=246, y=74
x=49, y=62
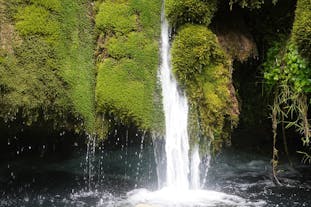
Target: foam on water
x=186, y=198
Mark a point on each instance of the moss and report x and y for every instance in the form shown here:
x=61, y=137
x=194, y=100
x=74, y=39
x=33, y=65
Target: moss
x=54, y=5
x=116, y=17
x=301, y=32
x=192, y=11
x=76, y=57
x=203, y=70
x=50, y=73
x=36, y=20
x=128, y=62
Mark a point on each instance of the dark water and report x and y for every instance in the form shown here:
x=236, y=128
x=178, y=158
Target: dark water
x=36, y=181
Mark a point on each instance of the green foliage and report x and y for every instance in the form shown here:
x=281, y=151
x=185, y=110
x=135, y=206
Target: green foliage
x=288, y=77
x=203, y=70
x=302, y=28
x=193, y=11
x=127, y=75
x=50, y=74
x=252, y=4
x=285, y=66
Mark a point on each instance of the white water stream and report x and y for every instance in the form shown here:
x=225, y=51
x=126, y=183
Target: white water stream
x=176, y=120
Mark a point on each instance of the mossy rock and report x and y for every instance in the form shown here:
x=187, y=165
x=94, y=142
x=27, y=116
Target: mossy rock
x=49, y=74
x=128, y=61
x=203, y=70
x=301, y=32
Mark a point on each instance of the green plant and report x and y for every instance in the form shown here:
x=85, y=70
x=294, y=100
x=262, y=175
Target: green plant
x=287, y=77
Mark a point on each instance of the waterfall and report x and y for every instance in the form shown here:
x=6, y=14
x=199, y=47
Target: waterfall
x=175, y=106
x=182, y=172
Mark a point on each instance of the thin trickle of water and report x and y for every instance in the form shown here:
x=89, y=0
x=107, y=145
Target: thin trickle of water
x=89, y=170
x=140, y=156
x=126, y=152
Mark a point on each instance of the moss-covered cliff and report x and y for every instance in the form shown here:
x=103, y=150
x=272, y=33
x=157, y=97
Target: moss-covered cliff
x=127, y=62
x=46, y=63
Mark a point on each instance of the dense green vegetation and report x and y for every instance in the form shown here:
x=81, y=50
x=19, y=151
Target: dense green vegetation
x=127, y=60
x=47, y=71
x=203, y=70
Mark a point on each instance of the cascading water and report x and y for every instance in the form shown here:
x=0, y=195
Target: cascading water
x=176, y=119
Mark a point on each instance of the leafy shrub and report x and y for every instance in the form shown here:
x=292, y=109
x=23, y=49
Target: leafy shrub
x=285, y=66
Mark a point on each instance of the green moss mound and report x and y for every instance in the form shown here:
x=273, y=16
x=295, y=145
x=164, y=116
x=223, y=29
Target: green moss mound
x=179, y=12
x=128, y=62
x=302, y=28
x=48, y=73
x=203, y=70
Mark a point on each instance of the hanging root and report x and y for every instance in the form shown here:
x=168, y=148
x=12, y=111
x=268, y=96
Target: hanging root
x=285, y=141
x=274, y=160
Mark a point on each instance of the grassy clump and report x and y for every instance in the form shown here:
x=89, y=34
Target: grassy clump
x=203, y=70
x=49, y=75
x=128, y=61
x=192, y=11
x=302, y=28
